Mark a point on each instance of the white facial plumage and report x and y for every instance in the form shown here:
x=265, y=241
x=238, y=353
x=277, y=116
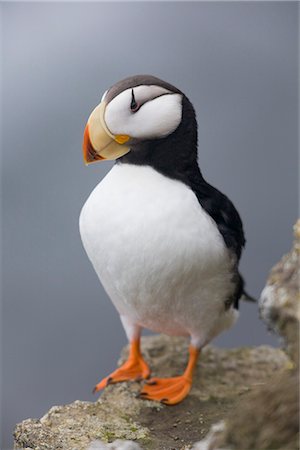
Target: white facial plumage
x=158, y=116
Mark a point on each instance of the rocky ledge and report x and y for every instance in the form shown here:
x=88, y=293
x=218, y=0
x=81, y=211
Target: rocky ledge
x=223, y=378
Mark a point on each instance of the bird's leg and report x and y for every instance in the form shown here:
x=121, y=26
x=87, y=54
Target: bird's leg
x=135, y=368
x=172, y=390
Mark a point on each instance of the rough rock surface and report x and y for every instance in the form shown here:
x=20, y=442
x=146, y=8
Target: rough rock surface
x=266, y=420
x=269, y=418
x=280, y=299
x=223, y=379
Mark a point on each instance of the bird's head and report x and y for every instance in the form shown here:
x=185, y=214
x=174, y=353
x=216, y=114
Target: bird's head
x=136, y=110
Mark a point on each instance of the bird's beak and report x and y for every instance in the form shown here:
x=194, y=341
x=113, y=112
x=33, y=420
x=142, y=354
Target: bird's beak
x=98, y=142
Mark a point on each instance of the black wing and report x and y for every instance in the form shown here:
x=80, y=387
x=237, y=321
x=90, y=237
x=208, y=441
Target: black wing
x=229, y=223
x=224, y=213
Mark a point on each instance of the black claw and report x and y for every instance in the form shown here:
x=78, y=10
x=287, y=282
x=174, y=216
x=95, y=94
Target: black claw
x=94, y=390
x=109, y=381
x=151, y=383
x=143, y=395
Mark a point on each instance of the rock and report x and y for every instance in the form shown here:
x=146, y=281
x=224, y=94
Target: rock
x=116, y=445
x=280, y=299
x=266, y=420
x=223, y=378
x=269, y=418
x=214, y=437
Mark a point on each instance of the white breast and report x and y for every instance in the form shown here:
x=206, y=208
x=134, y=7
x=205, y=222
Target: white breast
x=158, y=254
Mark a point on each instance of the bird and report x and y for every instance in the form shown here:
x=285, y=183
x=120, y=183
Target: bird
x=164, y=243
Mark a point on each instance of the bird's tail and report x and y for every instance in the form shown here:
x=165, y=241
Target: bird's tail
x=241, y=294
x=248, y=298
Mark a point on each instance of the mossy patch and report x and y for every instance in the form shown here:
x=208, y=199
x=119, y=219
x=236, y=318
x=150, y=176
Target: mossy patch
x=222, y=379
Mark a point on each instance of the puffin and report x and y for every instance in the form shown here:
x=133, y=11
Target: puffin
x=164, y=243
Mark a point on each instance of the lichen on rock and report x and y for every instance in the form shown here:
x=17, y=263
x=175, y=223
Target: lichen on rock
x=74, y=426
x=223, y=378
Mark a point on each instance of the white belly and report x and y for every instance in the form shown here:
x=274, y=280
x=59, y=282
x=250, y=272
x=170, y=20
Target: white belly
x=158, y=254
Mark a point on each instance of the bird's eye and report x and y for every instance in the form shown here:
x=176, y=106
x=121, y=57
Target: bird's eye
x=134, y=106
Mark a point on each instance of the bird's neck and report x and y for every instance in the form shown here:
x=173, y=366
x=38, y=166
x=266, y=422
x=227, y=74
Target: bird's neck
x=174, y=156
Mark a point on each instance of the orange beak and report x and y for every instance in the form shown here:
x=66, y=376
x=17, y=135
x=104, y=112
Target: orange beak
x=89, y=153
x=98, y=142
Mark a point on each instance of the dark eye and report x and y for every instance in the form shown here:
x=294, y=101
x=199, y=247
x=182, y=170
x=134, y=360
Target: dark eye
x=134, y=106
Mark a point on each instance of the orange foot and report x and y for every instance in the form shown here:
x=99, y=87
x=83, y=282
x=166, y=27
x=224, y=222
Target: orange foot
x=167, y=390
x=172, y=390
x=135, y=368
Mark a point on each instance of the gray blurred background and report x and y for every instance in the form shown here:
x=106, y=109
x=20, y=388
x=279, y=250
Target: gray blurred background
x=237, y=62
